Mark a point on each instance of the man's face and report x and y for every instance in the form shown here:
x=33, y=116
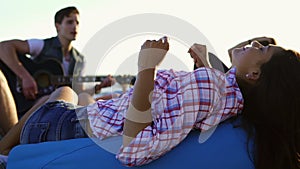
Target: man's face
x=68, y=28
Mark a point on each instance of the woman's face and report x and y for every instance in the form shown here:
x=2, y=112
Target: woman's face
x=249, y=59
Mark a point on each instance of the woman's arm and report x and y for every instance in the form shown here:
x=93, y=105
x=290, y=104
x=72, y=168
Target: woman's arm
x=199, y=53
x=138, y=115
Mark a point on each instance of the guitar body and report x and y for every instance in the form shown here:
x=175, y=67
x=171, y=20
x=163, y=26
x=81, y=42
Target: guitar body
x=39, y=71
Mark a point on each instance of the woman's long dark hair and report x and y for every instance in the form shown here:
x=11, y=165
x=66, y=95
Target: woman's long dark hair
x=272, y=112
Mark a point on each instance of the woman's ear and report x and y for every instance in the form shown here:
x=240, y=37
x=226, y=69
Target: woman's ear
x=254, y=75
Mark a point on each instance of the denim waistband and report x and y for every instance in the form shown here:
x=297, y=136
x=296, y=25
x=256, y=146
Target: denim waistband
x=60, y=103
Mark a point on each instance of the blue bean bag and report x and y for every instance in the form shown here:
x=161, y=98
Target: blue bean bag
x=226, y=148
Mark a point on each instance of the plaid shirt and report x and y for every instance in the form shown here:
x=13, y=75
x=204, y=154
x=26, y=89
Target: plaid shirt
x=181, y=101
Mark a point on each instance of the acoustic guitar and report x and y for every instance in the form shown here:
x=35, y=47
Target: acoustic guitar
x=48, y=75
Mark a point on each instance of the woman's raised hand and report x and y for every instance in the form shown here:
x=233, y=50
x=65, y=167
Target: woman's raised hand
x=152, y=53
x=199, y=53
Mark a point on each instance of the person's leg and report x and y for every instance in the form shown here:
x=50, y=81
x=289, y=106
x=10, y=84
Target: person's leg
x=12, y=138
x=85, y=99
x=64, y=93
x=8, y=111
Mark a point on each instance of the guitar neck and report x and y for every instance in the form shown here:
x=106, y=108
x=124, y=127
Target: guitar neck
x=68, y=80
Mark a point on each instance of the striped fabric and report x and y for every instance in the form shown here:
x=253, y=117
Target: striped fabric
x=181, y=101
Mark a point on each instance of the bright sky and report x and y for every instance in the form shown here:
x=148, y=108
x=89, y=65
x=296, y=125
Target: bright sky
x=223, y=22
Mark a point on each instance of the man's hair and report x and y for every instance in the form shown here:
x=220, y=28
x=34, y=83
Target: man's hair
x=65, y=12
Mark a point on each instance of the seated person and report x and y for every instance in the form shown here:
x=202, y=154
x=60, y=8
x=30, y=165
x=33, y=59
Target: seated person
x=69, y=61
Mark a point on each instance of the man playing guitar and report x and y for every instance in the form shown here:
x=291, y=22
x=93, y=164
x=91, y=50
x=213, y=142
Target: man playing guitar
x=58, y=48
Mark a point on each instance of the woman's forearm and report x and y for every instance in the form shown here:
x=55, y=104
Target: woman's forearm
x=139, y=115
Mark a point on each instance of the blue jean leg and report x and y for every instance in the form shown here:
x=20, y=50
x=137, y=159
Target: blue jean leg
x=52, y=122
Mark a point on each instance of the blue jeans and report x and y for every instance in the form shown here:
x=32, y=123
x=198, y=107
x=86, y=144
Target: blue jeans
x=52, y=122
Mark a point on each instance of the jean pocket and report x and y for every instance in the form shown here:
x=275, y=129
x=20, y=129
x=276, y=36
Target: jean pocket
x=80, y=130
x=34, y=133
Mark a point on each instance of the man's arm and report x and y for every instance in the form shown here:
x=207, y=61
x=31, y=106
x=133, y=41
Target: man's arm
x=8, y=54
x=90, y=89
x=9, y=51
